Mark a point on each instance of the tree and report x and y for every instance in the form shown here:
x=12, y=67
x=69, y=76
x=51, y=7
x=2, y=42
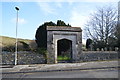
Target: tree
x=62, y=23
x=101, y=25
x=41, y=33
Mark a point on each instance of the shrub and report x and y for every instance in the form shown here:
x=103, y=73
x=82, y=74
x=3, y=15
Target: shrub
x=9, y=48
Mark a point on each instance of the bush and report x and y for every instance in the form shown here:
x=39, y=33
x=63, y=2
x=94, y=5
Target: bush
x=9, y=48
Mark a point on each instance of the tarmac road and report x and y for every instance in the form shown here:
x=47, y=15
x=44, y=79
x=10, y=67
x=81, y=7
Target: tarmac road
x=101, y=73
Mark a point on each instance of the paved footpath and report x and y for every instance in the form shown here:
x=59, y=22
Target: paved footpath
x=61, y=67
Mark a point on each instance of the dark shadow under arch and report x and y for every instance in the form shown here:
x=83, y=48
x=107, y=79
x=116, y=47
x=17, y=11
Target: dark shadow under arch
x=64, y=49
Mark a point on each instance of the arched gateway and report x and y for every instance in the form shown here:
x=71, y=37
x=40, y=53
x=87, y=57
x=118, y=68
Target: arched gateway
x=64, y=50
x=57, y=39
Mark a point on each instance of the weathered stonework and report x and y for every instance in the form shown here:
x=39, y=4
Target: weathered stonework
x=36, y=58
x=55, y=33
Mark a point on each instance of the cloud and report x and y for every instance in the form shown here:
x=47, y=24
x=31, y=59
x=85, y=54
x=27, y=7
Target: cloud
x=20, y=20
x=71, y=1
x=78, y=20
x=59, y=1
x=101, y=0
x=46, y=7
x=58, y=4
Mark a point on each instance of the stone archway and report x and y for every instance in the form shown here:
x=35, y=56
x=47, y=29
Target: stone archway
x=71, y=38
x=64, y=50
x=60, y=33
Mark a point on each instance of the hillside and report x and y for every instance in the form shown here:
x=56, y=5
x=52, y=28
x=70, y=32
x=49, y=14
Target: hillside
x=9, y=41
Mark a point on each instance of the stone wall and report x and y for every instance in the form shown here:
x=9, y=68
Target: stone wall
x=24, y=57
x=98, y=55
x=35, y=58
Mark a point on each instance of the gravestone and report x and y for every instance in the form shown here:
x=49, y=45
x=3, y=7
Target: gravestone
x=57, y=33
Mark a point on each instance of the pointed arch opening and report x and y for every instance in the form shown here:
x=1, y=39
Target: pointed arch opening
x=64, y=50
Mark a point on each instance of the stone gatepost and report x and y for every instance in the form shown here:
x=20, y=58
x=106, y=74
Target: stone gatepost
x=55, y=33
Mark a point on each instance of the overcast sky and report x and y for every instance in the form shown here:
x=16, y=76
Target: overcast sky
x=34, y=13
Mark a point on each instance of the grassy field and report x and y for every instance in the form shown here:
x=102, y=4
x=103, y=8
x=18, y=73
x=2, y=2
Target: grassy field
x=8, y=41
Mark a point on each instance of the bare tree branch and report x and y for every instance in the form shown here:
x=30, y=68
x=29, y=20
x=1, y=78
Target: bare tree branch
x=102, y=24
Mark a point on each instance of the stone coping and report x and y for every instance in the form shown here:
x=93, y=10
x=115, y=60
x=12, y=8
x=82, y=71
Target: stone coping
x=64, y=28
x=99, y=51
